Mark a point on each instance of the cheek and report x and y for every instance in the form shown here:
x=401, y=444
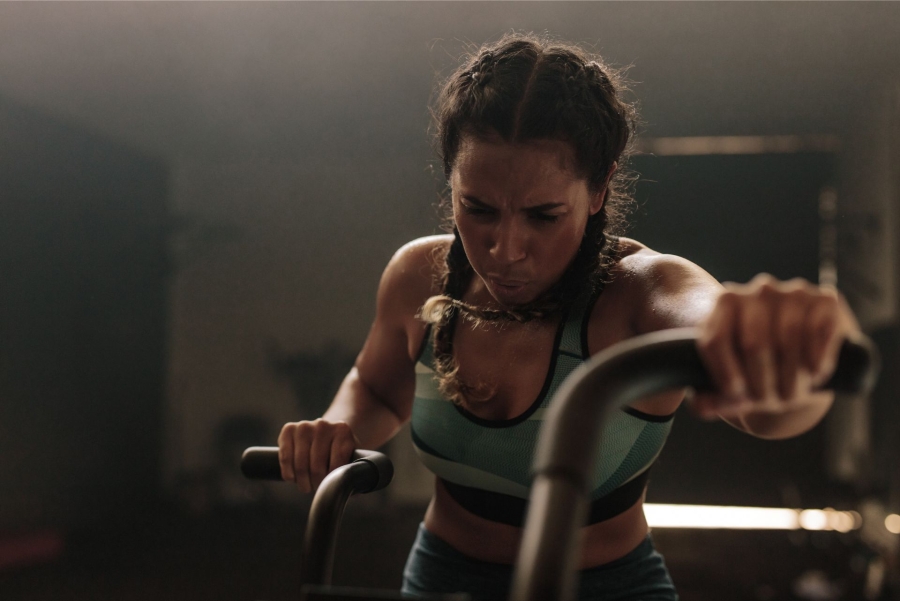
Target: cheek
x=561, y=248
x=471, y=238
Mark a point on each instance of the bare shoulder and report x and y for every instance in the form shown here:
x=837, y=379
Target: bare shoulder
x=660, y=290
x=410, y=276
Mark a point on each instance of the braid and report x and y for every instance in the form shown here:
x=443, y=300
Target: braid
x=482, y=70
x=591, y=265
x=442, y=312
x=524, y=88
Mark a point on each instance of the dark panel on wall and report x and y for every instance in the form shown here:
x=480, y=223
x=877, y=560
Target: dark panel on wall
x=82, y=324
x=736, y=216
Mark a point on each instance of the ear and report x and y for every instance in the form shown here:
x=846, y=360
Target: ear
x=599, y=198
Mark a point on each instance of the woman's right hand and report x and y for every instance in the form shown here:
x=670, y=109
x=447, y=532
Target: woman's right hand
x=309, y=450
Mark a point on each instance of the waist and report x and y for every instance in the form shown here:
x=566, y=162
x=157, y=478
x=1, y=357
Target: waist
x=496, y=542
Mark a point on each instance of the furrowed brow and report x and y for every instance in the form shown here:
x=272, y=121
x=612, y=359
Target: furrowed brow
x=547, y=206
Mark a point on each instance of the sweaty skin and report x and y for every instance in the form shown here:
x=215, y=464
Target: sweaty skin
x=520, y=212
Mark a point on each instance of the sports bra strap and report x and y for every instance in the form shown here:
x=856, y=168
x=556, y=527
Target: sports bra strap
x=571, y=342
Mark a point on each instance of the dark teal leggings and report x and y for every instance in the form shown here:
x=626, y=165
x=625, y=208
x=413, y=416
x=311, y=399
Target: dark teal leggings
x=436, y=567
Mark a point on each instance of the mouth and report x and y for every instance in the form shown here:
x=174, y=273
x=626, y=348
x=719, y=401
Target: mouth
x=507, y=285
x=501, y=281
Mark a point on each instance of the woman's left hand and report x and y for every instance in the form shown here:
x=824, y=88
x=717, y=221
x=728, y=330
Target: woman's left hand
x=768, y=346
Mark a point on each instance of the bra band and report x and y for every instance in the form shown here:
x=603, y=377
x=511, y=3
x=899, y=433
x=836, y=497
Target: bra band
x=508, y=509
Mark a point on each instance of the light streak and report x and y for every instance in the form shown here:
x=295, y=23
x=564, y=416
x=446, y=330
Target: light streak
x=750, y=518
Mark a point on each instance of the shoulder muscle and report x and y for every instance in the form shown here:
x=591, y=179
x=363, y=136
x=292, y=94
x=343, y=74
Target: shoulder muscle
x=386, y=363
x=409, y=278
x=668, y=291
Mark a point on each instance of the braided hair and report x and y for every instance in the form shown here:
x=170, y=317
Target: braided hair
x=523, y=88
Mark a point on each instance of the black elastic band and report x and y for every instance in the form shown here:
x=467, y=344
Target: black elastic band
x=508, y=509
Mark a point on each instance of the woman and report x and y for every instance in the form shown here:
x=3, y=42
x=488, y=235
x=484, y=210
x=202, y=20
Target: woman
x=475, y=330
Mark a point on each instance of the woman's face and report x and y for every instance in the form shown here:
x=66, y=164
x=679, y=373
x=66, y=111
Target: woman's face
x=521, y=213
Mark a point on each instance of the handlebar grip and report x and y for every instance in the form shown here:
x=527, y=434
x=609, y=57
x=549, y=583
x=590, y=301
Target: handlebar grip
x=857, y=368
x=856, y=371
x=261, y=463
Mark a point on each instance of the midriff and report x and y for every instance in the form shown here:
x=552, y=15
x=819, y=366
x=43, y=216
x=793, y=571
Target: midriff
x=494, y=542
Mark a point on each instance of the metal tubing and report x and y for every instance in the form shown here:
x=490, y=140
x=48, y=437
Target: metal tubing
x=325, y=521
x=569, y=442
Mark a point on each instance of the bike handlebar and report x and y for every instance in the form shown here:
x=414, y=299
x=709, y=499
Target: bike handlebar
x=569, y=439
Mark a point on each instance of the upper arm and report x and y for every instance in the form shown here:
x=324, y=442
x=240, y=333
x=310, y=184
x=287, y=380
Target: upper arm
x=674, y=293
x=385, y=365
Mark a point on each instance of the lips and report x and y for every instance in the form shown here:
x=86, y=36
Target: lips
x=510, y=292
x=510, y=284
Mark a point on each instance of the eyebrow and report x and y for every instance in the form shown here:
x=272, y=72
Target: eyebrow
x=547, y=206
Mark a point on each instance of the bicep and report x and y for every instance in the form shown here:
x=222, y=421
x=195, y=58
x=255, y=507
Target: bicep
x=385, y=368
x=385, y=365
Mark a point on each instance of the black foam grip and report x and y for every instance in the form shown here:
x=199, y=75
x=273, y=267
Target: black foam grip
x=261, y=463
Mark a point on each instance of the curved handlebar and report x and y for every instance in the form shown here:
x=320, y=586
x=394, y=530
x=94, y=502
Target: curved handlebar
x=261, y=463
x=568, y=442
x=367, y=471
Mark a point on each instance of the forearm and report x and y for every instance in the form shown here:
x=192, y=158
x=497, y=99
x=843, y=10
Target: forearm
x=371, y=419
x=784, y=424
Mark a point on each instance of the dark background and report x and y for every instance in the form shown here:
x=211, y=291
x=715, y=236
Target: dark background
x=197, y=199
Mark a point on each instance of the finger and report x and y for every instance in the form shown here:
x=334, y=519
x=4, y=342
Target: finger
x=823, y=339
x=286, y=451
x=302, y=440
x=755, y=342
x=342, y=446
x=716, y=345
x=790, y=322
x=319, y=452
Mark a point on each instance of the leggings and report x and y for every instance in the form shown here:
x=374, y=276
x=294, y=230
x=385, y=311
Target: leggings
x=434, y=566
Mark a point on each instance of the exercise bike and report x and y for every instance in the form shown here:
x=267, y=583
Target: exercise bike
x=567, y=447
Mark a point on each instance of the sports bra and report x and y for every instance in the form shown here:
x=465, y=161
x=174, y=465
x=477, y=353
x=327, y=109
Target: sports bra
x=485, y=465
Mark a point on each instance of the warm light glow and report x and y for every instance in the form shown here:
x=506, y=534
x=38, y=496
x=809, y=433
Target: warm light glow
x=708, y=145
x=892, y=523
x=813, y=519
x=709, y=516
x=750, y=518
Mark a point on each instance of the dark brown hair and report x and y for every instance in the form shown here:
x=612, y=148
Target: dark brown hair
x=522, y=88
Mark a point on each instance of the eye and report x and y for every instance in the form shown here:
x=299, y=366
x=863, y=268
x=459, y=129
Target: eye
x=476, y=211
x=544, y=217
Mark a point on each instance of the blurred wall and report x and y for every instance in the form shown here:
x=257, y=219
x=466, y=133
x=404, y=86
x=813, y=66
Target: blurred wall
x=295, y=139
x=866, y=448
x=82, y=328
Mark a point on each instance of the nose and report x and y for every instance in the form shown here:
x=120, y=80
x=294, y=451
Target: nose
x=509, y=244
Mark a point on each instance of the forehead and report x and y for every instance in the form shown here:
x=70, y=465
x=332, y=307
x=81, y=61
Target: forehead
x=538, y=163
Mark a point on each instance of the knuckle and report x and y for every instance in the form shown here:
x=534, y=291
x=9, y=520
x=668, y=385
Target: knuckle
x=796, y=295
x=767, y=289
x=728, y=297
x=764, y=281
x=287, y=430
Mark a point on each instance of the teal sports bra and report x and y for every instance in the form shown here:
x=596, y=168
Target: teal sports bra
x=485, y=465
